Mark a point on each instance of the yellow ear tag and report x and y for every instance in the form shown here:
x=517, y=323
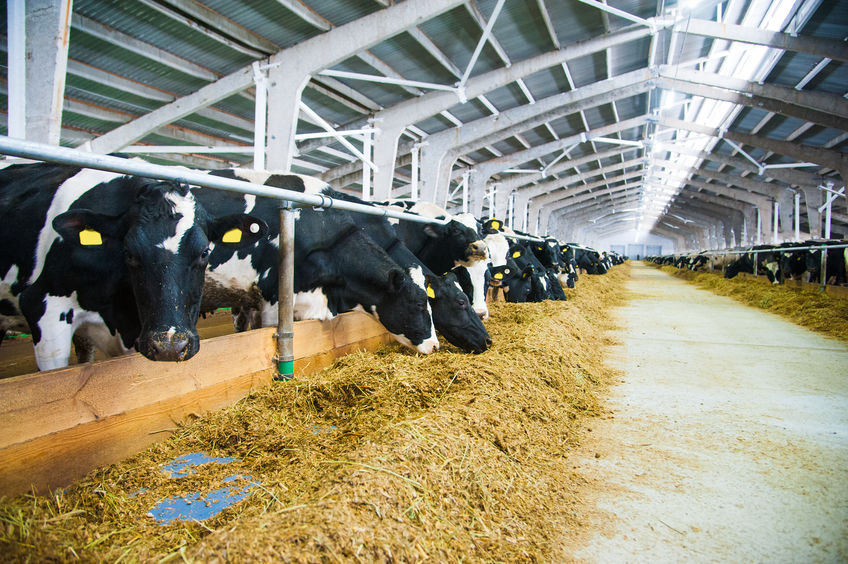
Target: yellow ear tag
x=516, y=254
x=232, y=236
x=90, y=237
x=496, y=225
x=430, y=292
x=498, y=275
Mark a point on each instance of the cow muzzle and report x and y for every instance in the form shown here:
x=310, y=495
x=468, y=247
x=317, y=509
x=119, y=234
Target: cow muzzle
x=477, y=250
x=169, y=346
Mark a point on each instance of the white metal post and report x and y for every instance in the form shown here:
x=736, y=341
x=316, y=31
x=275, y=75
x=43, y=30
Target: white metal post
x=260, y=117
x=413, y=184
x=827, y=214
x=774, y=222
x=759, y=227
x=797, y=216
x=465, y=176
x=16, y=85
x=366, y=170
x=511, y=209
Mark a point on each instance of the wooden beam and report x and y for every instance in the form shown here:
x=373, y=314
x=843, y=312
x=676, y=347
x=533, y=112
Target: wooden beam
x=60, y=424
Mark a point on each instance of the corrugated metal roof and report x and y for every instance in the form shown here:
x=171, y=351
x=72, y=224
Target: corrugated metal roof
x=119, y=49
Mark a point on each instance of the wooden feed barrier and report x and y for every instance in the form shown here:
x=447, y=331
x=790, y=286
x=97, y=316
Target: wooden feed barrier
x=60, y=424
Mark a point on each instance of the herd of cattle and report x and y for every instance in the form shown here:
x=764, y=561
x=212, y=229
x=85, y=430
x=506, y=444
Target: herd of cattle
x=126, y=263
x=788, y=261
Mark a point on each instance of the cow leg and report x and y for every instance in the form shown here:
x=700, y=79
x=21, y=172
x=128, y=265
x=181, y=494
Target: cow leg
x=54, y=348
x=84, y=348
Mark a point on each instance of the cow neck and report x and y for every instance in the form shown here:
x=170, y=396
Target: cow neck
x=345, y=234
x=395, y=242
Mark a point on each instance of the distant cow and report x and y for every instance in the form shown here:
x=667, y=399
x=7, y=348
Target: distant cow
x=444, y=247
x=767, y=259
x=119, y=257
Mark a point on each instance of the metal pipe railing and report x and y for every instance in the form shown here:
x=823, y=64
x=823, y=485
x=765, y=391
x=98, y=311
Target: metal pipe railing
x=285, y=300
x=64, y=155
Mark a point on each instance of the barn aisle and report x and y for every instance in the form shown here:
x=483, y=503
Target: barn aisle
x=728, y=440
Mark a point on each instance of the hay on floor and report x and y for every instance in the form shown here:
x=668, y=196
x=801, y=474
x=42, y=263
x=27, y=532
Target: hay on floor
x=384, y=456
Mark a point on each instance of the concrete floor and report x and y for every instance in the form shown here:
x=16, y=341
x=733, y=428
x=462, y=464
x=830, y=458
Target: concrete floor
x=728, y=440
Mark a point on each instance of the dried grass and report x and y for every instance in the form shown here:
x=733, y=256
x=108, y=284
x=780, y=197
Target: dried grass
x=386, y=456
x=805, y=306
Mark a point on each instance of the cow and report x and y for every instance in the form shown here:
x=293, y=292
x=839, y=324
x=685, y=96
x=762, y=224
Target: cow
x=515, y=282
x=806, y=264
x=337, y=268
x=566, y=257
x=587, y=259
x=547, y=253
x=767, y=259
x=453, y=315
x=119, y=258
x=444, y=247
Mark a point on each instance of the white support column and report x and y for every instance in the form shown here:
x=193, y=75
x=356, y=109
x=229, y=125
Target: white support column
x=476, y=192
x=366, y=170
x=797, y=216
x=465, y=191
x=47, y=33
x=827, y=214
x=284, y=90
x=385, y=155
x=413, y=185
x=759, y=226
x=511, y=210
x=775, y=217
x=260, y=117
x=16, y=57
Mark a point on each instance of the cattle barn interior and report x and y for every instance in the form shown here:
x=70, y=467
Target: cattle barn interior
x=668, y=130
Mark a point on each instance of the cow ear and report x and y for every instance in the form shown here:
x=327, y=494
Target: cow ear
x=527, y=271
x=434, y=230
x=237, y=230
x=87, y=228
x=395, y=280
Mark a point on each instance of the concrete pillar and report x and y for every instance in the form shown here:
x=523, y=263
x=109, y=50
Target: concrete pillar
x=476, y=192
x=813, y=198
x=520, y=212
x=47, y=34
x=385, y=156
x=786, y=211
x=285, y=85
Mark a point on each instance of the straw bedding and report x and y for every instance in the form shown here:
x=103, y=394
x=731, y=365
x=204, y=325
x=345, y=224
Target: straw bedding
x=805, y=306
x=386, y=456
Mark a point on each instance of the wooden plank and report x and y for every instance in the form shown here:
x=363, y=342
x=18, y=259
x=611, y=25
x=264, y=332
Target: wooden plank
x=95, y=414
x=311, y=364
x=57, y=459
x=39, y=404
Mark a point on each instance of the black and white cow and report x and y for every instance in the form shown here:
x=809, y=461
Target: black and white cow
x=768, y=263
x=453, y=315
x=547, y=253
x=566, y=257
x=444, y=247
x=338, y=268
x=121, y=258
x=806, y=264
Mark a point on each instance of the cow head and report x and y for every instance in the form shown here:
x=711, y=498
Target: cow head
x=403, y=309
x=162, y=244
x=453, y=315
x=458, y=242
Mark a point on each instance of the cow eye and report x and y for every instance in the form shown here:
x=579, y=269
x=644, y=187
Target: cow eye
x=132, y=260
x=205, y=253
